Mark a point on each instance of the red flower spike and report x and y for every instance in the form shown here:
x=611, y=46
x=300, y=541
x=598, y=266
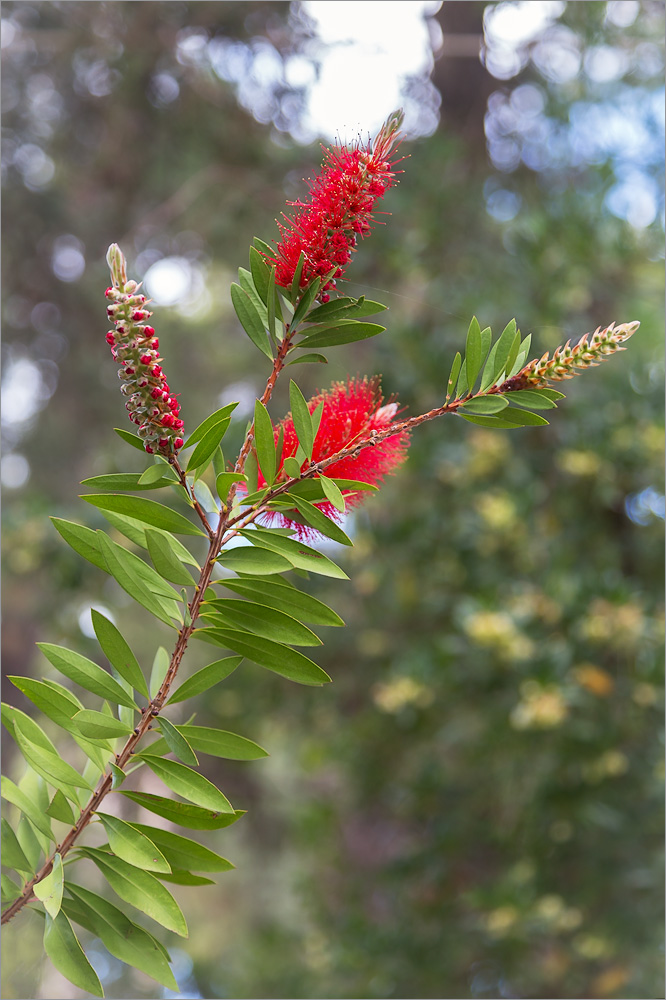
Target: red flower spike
x=341, y=203
x=351, y=412
x=143, y=381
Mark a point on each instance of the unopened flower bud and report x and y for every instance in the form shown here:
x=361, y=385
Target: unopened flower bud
x=115, y=258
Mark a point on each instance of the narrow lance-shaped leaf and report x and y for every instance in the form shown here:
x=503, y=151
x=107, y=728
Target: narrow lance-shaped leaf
x=132, y=846
x=139, y=888
x=12, y=852
x=12, y=793
x=177, y=743
x=276, y=594
x=125, y=940
x=143, y=509
x=118, y=652
x=205, y=678
x=207, y=446
x=317, y=519
x=49, y=890
x=250, y=319
x=473, y=356
x=211, y=421
x=165, y=560
x=264, y=441
x=187, y=783
x=184, y=853
x=85, y=673
x=98, y=725
x=273, y=655
x=302, y=419
x=159, y=671
x=183, y=813
x=62, y=946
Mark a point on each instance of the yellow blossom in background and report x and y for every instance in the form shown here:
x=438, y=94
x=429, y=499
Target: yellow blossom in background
x=541, y=707
x=610, y=980
x=533, y=603
x=594, y=679
x=498, y=510
x=619, y=625
x=500, y=921
x=497, y=630
x=486, y=452
x=579, y=463
x=395, y=695
x=611, y=764
x=645, y=695
x=592, y=946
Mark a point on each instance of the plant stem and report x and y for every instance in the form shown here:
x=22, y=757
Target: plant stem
x=148, y=714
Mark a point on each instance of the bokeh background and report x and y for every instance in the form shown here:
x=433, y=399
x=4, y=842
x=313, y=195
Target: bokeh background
x=472, y=808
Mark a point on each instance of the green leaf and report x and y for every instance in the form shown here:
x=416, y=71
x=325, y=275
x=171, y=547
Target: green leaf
x=224, y=482
x=124, y=939
x=211, y=421
x=312, y=490
x=140, y=889
x=131, y=481
x=215, y=742
x=165, y=561
x=513, y=354
x=154, y=473
x=208, y=445
x=49, y=890
x=552, y=394
x=99, y=725
x=260, y=620
x=250, y=319
x=187, y=783
x=285, y=598
x=302, y=419
x=295, y=289
x=306, y=359
x=147, y=577
x=60, y=809
x=123, y=569
x=132, y=846
x=251, y=472
x=62, y=946
x=485, y=404
x=305, y=302
x=453, y=376
x=12, y=793
x=254, y=562
x=533, y=400
x=292, y=467
x=318, y=520
x=260, y=273
x=263, y=247
x=345, y=331
x=523, y=417
x=246, y=282
x=118, y=652
x=10, y=890
x=495, y=422
x=273, y=304
x=488, y=377
x=12, y=852
x=183, y=853
x=82, y=540
x=299, y=554
x=267, y=653
x=142, y=509
x=57, y=704
x=205, y=678
x=180, y=877
x=182, y=813
x=503, y=350
x=159, y=670
x=50, y=765
x=177, y=743
x=473, y=352
x=118, y=776
x=86, y=674
x=130, y=438
x=264, y=441
x=345, y=307
x=219, y=743
x=333, y=493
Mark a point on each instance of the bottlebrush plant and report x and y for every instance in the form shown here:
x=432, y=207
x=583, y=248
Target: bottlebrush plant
x=291, y=483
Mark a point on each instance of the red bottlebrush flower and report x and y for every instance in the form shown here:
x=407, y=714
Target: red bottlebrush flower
x=351, y=412
x=340, y=207
x=149, y=402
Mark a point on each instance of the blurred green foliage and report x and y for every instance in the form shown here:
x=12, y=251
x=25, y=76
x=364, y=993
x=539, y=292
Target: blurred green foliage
x=473, y=807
